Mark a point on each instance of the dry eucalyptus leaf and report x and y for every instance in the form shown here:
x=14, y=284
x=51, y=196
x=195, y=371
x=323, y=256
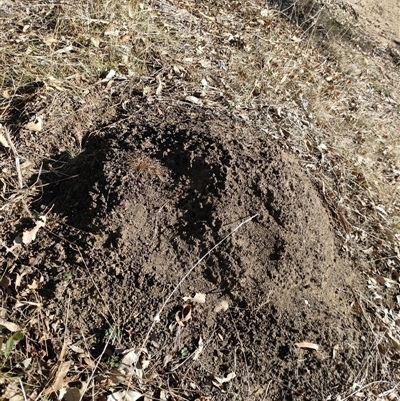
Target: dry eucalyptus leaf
x=308, y=345
x=125, y=395
x=159, y=88
x=13, y=392
x=219, y=381
x=184, y=315
x=199, y=298
x=58, y=383
x=95, y=42
x=66, y=49
x=10, y=325
x=222, y=306
x=36, y=125
x=49, y=40
x=30, y=235
x=193, y=99
x=110, y=75
x=167, y=359
x=199, y=350
x=3, y=141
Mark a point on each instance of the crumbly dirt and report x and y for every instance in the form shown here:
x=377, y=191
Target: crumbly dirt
x=380, y=19
x=153, y=190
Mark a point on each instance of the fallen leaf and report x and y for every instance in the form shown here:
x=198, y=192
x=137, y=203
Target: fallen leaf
x=199, y=350
x=110, y=75
x=184, y=315
x=159, y=88
x=219, y=381
x=59, y=379
x=3, y=141
x=222, y=306
x=66, y=49
x=10, y=325
x=49, y=40
x=134, y=362
x=30, y=235
x=130, y=358
x=199, y=298
x=125, y=395
x=308, y=345
x=36, y=125
x=13, y=392
x=147, y=90
x=167, y=359
x=95, y=42
x=194, y=100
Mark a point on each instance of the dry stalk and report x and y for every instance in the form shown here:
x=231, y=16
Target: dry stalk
x=17, y=163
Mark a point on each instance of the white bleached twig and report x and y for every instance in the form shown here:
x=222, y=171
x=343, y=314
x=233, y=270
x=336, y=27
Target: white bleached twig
x=17, y=163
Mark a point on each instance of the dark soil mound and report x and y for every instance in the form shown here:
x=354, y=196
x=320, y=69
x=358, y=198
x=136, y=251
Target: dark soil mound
x=152, y=193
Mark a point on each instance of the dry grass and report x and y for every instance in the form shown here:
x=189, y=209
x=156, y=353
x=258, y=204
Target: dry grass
x=326, y=98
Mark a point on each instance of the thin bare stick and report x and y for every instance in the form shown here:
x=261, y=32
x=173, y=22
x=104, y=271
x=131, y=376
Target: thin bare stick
x=17, y=164
x=23, y=390
x=157, y=317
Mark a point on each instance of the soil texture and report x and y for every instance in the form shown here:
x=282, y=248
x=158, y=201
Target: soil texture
x=150, y=194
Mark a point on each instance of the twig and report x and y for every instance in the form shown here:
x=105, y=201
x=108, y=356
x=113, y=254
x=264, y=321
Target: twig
x=23, y=390
x=157, y=317
x=17, y=164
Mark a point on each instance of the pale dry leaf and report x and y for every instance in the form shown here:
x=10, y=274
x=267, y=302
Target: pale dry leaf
x=199, y=350
x=159, y=88
x=111, y=32
x=194, y=100
x=167, y=359
x=125, y=395
x=308, y=345
x=131, y=357
x=58, y=383
x=49, y=40
x=3, y=141
x=110, y=75
x=219, y=381
x=36, y=125
x=13, y=392
x=199, y=298
x=222, y=306
x=147, y=91
x=77, y=349
x=65, y=49
x=184, y=315
x=95, y=42
x=10, y=325
x=19, y=278
x=30, y=235
x=26, y=362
